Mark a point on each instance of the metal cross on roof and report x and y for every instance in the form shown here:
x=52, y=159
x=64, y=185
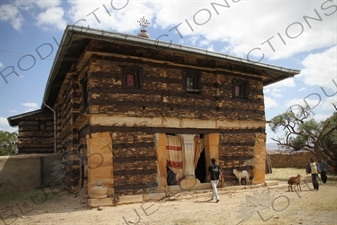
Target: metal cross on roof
x=143, y=22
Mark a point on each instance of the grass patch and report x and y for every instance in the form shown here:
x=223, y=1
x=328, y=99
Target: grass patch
x=283, y=174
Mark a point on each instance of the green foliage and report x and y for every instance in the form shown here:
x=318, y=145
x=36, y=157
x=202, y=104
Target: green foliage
x=8, y=142
x=302, y=132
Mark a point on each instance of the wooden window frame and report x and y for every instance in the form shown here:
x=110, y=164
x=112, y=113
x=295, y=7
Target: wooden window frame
x=138, y=82
x=196, y=77
x=243, y=86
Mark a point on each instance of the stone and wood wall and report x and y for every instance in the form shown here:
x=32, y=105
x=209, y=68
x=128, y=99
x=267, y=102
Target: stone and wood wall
x=95, y=110
x=36, y=133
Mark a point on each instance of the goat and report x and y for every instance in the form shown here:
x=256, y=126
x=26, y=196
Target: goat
x=294, y=181
x=242, y=174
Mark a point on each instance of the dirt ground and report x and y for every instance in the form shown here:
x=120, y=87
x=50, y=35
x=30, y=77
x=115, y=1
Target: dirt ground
x=264, y=205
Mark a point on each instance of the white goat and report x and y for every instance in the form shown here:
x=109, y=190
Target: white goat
x=295, y=181
x=242, y=174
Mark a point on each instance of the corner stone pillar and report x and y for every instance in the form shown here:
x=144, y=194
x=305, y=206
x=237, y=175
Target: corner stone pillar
x=188, y=153
x=189, y=180
x=161, y=162
x=259, y=159
x=100, y=164
x=211, y=148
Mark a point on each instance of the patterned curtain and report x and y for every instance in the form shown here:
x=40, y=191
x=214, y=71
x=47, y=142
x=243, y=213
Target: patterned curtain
x=198, y=148
x=174, y=155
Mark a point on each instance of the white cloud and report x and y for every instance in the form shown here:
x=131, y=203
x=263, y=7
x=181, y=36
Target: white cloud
x=30, y=106
x=276, y=92
x=194, y=39
x=321, y=117
x=52, y=17
x=11, y=14
x=269, y=102
x=315, y=101
x=266, y=90
x=297, y=102
x=123, y=18
x=47, y=13
x=265, y=21
x=234, y=25
x=326, y=104
x=323, y=66
x=43, y=4
x=239, y=27
x=32, y=4
x=3, y=121
x=283, y=83
x=5, y=126
x=303, y=89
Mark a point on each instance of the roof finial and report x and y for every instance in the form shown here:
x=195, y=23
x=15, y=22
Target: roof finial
x=143, y=23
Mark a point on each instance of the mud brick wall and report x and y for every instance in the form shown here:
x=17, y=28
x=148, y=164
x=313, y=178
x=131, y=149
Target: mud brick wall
x=236, y=150
x=68, y=140
x=135, y=166
x=162, y=93
x=294, y=160
x=33, y=139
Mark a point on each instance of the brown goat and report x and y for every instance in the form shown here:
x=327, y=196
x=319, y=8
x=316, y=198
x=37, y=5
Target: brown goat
x=294, y=181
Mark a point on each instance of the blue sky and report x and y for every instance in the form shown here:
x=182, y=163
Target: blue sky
x=292, y=34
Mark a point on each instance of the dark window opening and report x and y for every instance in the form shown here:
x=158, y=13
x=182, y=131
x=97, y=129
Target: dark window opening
x=42, y=125
x=132, y=77
x=192, y=81
x=240, y=88
x=130, y=80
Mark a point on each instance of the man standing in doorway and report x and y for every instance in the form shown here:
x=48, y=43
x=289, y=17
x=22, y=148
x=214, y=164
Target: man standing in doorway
x=214, y=170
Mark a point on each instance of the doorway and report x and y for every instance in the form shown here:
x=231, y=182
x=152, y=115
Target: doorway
x=200, y=171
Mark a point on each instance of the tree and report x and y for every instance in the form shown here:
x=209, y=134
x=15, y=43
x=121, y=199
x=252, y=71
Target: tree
x=8, y=142
x=302, y=132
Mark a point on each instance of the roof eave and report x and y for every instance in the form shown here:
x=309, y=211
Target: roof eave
x=72, y=30
x=13, y=120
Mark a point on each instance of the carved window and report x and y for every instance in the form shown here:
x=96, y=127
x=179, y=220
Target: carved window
x=240, y=88
x=132, y=77
x=42, y=125
x=130, y=80
x=192, y=81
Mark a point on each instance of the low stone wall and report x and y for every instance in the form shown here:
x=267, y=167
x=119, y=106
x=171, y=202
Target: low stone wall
x=26, y=172
x=294, y=160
